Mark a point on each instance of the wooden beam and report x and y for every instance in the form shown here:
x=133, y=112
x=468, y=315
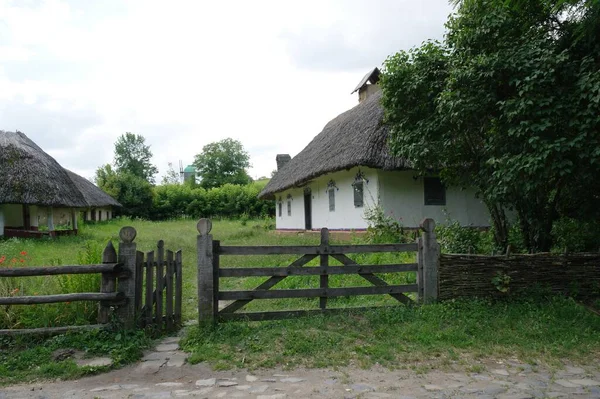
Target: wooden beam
x=287, y=314
x=346, y=261
x=82, y=296
x=57, y=270
x=317, y=292
x=232, y=307
x=315, y=271
x=315, y=250
x=53, y=330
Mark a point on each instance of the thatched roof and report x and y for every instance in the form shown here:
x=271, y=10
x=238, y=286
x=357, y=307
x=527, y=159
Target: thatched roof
x=357, y=137
x=94, y=196
x=30, y=176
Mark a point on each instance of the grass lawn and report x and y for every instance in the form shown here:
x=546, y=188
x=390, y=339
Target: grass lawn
x=544, y=329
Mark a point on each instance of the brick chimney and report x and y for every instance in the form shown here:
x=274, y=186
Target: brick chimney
x=282, y=159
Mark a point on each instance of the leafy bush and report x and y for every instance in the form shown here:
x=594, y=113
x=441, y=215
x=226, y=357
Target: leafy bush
x=172, y=201
x=381, y=227
x=576, y=235
x=457, y=239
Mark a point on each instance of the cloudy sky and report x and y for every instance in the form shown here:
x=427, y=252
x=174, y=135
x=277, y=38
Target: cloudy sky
x=75, y=74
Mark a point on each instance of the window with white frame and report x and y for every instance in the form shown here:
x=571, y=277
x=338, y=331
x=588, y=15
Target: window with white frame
x=331, y=189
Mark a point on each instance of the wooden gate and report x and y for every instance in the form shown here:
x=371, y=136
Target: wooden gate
x=159, y=288
x=210, y=272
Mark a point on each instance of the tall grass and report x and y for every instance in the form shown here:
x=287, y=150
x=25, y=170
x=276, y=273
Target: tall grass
x=177, y=234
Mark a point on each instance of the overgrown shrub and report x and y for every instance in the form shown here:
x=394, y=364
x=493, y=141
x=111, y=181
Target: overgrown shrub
x=383, y=228
x=172, y=201
x=575, y=235
x=457, y=239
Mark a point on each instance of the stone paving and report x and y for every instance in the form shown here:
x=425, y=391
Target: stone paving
x=163, y=373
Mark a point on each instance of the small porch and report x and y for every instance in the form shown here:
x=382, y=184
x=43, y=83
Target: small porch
x=31, y=221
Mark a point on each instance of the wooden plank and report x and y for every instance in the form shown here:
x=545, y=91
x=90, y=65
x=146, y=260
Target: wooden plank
x=139, y=283
x=314, y=250
x=215, y=276
x=373, y=279
x=431, y=262
x=303, y=260
x=81, y=296
x=315, y=271
x=178, y=286
x=288, y=314
x=158, y=293
x=108, y=282
x=149, y=307
x=324, y=264
x=169, y=290
x=53, y=330
x=58, y=270
x=317, y=292
x=420, y=269
x=206, y=293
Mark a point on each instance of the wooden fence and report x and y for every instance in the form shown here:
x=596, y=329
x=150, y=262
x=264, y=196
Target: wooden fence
x=159, y=303
x=210, y=272
x=134, y=286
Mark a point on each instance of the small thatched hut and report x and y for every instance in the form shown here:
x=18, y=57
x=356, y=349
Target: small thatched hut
x=34, y=188
x=347, y=169
x=99, y=204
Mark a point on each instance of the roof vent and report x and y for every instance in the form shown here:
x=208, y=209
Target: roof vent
x=282, y=159
x=368, y=85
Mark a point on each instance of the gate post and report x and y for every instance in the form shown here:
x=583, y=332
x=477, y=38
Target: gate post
x=206, y=287
x=431, y=259
x=127, y=257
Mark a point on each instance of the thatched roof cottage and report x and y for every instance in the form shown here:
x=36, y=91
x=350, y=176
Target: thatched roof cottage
x=347, y=169
x=34, y=188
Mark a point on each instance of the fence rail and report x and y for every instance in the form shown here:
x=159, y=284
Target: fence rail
x=210, y=272
x=122, y=291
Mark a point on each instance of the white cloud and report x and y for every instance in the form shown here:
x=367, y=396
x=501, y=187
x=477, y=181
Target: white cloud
x=186, y=73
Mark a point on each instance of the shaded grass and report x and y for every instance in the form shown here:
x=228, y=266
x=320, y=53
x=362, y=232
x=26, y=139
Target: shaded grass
x=24, y=359
x=533, y=330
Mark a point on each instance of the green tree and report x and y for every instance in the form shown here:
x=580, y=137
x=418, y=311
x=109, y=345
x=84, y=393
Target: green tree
x=222, y=162
x=508, y=103
x=171, y=177
x=133, y=156
x=133, y=192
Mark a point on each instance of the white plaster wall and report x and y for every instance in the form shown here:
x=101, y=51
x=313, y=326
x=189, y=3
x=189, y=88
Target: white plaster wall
x=34, y=216
x=345, y=216
x=13, y=215
x=403, y=197
x=296, y=220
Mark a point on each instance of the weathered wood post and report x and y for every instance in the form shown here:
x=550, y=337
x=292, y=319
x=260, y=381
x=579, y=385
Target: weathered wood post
x=127, y=257
x=420, y=269
x=324, y=263
x=206, y=285
x=431, y=259
x=108, y=283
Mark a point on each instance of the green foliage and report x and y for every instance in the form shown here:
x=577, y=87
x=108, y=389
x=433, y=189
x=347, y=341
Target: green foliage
x=549, y=329
x=501, y=281
x=509, y=103
x=576, y=235
x=174, y=201
x=133, y=156
x=456, y=239
x=26, y=359
x=382, y=228
x=222, y=162
x=133, y=192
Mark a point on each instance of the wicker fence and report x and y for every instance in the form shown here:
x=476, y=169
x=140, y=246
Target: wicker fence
x=576, y=274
